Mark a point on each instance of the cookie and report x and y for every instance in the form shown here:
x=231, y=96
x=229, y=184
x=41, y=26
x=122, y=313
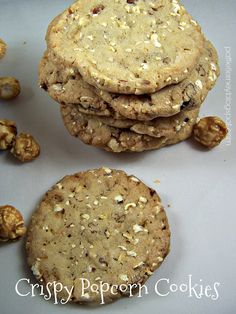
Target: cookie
x=129, y=47
x=172, y=99
x=94, y=132
x=102, y=226
x=156, y=128
x=67, y=86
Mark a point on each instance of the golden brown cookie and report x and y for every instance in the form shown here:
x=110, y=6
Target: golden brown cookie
x=98, y=132
x=135, y=47
x=66, y=85
x=101, y=225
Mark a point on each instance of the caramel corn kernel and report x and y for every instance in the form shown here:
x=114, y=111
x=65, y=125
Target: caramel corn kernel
x=210, y=131
x=8, y=133
x=25, y=148
x=11, y=223
x=9, y=88
x=3, y=48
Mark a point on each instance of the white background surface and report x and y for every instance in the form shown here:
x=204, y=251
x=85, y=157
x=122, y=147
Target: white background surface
x=199, y=185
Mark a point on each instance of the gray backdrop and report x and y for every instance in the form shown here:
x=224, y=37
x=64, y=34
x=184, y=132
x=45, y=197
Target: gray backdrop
x=198, y=185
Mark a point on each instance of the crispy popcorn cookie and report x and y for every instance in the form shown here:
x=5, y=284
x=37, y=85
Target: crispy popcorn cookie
x=94, y=132
x=101, y=225
x=156, y=128
x=67, y=86
x=130, y=47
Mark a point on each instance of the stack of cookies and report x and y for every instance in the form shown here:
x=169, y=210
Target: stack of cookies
x=130, y=75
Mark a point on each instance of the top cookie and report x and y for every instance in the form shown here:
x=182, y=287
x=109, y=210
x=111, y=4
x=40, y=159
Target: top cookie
x=127, y=46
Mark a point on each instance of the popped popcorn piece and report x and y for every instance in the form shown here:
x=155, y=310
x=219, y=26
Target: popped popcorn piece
x=35, y=270
x=198, y=83
x=85, y=216
x=154, y=38
x=124, y=277
x=131, y=253
x=119, y=199
x=137, y=228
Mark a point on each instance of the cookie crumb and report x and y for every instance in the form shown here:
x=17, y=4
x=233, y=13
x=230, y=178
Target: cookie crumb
x=35, y=270
x=137, y=228
x=143, y=199
x=119, y=199
x=124, y=277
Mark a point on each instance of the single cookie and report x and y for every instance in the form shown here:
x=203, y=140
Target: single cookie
x=156, y=128
x=67, y=86
x=102, y=226
x=94, y=132
x=172, y=99
x=130, y=47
